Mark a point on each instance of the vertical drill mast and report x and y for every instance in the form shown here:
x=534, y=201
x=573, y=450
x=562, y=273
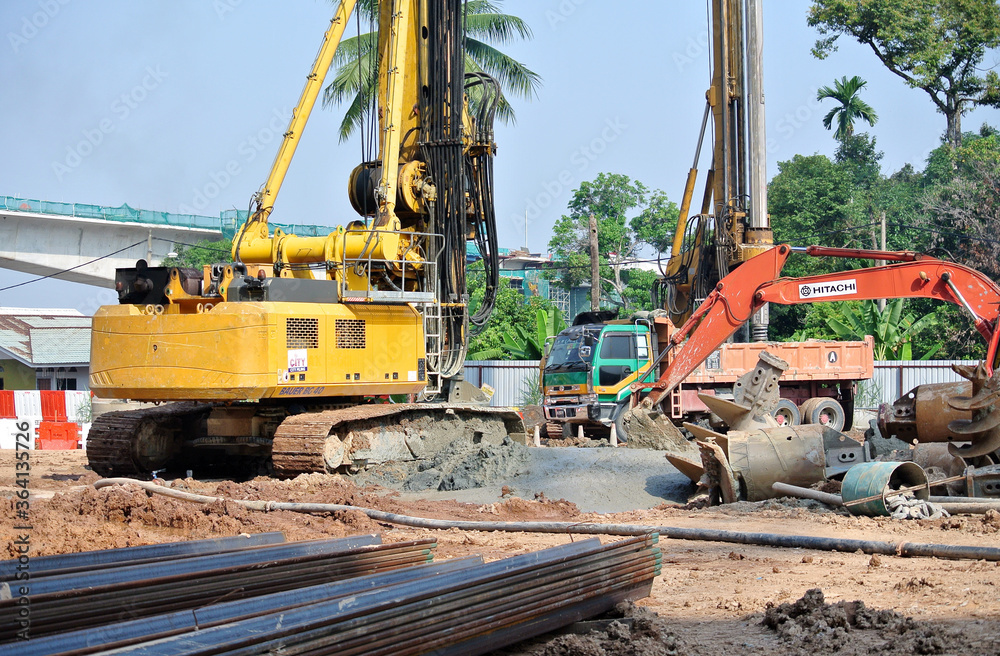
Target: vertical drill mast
x=733, y=225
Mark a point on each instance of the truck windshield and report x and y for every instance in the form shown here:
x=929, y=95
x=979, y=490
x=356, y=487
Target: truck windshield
x=567, y=355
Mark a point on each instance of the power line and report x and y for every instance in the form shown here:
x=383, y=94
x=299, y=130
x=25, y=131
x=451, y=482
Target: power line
x=181, y=243
x=59, y=273
x=957, y=233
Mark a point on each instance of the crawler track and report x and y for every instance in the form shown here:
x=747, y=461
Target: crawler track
x=300, y=443
x=119, y=442
x=554, y=430
x=368, y=434
x=136, y=442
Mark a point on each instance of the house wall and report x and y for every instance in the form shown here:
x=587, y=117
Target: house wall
x=17, y=376
x=49, y=378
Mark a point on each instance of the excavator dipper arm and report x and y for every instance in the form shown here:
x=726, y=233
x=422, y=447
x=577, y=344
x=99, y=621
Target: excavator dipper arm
x=726, y=308
x=737, y=296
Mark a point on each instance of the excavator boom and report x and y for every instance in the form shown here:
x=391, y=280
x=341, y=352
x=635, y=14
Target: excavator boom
x=737, y=296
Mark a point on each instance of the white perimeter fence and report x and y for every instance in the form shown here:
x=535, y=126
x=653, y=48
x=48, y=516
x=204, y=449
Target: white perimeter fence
x=516, y=381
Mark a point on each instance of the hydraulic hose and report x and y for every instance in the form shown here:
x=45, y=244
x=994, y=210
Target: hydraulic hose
x=906, y=549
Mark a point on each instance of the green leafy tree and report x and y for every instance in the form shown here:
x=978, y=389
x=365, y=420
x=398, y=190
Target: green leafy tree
x=525, y=343
x=511, y=311
x=200, y=253
x=872, y=195
x=522, y=341
x=808, y=201
x=611, y=197
x=638, y=288
x=964, y=210
x=960, y=215
x=851, y=107
x=934, y=45
x=816, y=323
x=355, y=65
x=901, y=202
x=655, y=224
x=951, y=328
x=815, y=200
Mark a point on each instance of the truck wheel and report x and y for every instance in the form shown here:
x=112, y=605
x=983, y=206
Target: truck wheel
x=806, y=409
x=787, y=413
x=825, y=411
x=620, y=430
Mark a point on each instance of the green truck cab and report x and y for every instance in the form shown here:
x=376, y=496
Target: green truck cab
x=586, y=374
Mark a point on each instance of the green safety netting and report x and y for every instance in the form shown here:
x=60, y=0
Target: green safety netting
x=226, y=222
x=232, y=219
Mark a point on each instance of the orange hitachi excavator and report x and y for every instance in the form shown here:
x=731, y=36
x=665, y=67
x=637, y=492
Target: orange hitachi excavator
x=967, y=416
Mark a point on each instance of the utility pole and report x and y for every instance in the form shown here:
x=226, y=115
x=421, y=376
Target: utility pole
x=595, y=267
x=881, y=301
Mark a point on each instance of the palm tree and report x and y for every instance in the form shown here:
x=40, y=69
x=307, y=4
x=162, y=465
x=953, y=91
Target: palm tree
x=851, y=108
x=356, y=62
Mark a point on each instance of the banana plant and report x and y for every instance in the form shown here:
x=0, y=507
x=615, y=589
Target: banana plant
x=891, y=329
x=521, y=343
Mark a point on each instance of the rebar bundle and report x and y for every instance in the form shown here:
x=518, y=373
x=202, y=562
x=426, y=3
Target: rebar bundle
x=329, y=596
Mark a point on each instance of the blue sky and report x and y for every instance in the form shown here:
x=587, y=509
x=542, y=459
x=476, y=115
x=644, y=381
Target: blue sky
x=188, y=96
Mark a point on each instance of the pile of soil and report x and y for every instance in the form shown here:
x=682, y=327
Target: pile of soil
x=464, y=465
x=639, y=631
x=810, y=626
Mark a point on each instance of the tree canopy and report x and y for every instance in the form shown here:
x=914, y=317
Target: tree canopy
x=611, y=198
x=934, y=45
x=851, y=107
x=513, y=317
x=950, y=208
x=205, y=251
x=355, y=64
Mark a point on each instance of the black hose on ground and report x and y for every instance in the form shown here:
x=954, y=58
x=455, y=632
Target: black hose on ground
x=906, y=549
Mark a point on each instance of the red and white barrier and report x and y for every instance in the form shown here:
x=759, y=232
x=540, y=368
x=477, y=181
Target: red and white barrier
x=78, y=407
x=9, y=429
x=53, y=420
x=28, y=404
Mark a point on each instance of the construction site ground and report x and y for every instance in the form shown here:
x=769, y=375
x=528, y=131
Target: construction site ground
x=711, y=599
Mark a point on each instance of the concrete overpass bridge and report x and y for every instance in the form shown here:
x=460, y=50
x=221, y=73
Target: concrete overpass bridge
x=86, y=243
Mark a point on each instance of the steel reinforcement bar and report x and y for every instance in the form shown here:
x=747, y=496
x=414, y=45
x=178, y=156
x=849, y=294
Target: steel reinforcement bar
x=63, y=603
x=466, y=612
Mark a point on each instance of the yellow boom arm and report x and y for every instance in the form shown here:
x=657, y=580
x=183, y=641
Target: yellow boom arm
x=264, y=199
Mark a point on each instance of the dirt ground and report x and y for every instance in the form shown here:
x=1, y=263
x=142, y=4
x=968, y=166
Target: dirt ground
x=712, y=598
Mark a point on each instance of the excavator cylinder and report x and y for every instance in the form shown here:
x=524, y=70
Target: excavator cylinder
x=302, y=250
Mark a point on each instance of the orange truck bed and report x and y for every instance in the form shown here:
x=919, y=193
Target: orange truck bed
x=817, y=369
x=808, y=361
